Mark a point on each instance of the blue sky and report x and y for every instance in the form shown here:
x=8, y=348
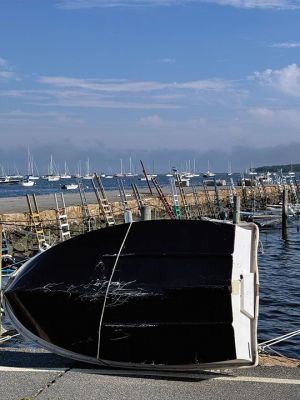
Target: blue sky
x=172, y=79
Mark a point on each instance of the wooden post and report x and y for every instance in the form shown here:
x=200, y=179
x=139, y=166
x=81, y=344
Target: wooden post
x=285, y=214
x=146, y=176
x=128, y=216
x=1, y=280
x=236, y=210
x=145, y=213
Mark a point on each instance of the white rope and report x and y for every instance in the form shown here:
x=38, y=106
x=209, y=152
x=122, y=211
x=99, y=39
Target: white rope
x=277, y=353
x=107, y=289
x=6, y=338
x=278, y=339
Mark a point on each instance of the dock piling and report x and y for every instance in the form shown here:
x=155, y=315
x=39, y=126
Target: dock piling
x=285, y=214
x=236, y=210
x=128, y=216
x=146, y=213
x=1, y=280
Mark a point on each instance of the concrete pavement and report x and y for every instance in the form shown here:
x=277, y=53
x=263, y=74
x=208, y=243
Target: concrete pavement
x=37, y=374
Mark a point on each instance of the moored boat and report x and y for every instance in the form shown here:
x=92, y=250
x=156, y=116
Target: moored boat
x=71, y=186
x=52, y=175
x=158, y=295
x=27, y=182
x=208, y=173
x=215, y=182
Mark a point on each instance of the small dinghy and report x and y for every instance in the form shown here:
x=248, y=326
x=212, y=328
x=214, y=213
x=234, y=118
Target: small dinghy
x=71, y=186
x=159, y=295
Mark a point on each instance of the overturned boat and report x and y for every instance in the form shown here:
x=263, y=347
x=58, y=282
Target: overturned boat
x=159, y=295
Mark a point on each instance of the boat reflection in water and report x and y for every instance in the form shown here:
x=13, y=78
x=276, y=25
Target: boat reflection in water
x=159, y=295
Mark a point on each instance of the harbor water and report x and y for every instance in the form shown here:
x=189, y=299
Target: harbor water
x=43, y=187
x=279, y=269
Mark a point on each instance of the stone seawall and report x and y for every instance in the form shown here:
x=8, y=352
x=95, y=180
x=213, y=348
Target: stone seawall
x=75, y=213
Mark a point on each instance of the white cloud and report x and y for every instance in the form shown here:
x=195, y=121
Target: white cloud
x=82, y=98
x=210, y=85
x=5, y=70
x=122, y=93
x=259, y=4
x=198, y=122
x=285, y=80
x=21, y=114
x=7, y=75
x=122, y=85
x=125, y=94
x=155, y=121
x=152, y=120
x=18, y=116
x=166, y=61
x=3, y=63
x=276, y=117
x=286, y=45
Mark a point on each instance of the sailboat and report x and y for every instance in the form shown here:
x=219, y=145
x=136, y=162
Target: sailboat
x=121, y=173
x=70, y=186
x=66, y=174
x=194, y=169
x=88, y=175
x=52, y=176
x=229, y=173
x=78, y=173
x=30, y=167
x=291, y=173
x=130, y=173
x=15, y=175
x=27, y=182
x=110, y=175
x=208, y=173
x=252, y=171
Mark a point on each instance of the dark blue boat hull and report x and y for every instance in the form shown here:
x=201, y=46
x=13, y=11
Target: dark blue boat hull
x=161, y=298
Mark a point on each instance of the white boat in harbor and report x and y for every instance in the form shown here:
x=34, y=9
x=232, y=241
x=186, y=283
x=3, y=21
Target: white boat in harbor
x=215, y=182
x=120, y=174
x=8, y=180
x=208, y=173
x=71, y=186
x=189, y=173
x=130, y=174
x=66, y=174
x=52, y=175
x=229, y=173
x=53, y=178
x=185, y=182
x=27, y=182
x=32, y=171
x=149, y=176
x=265, y=178
x=88, y=175
x=276, y=209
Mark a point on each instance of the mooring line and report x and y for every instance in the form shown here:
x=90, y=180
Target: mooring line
x=107, y=289
x=278, y=339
